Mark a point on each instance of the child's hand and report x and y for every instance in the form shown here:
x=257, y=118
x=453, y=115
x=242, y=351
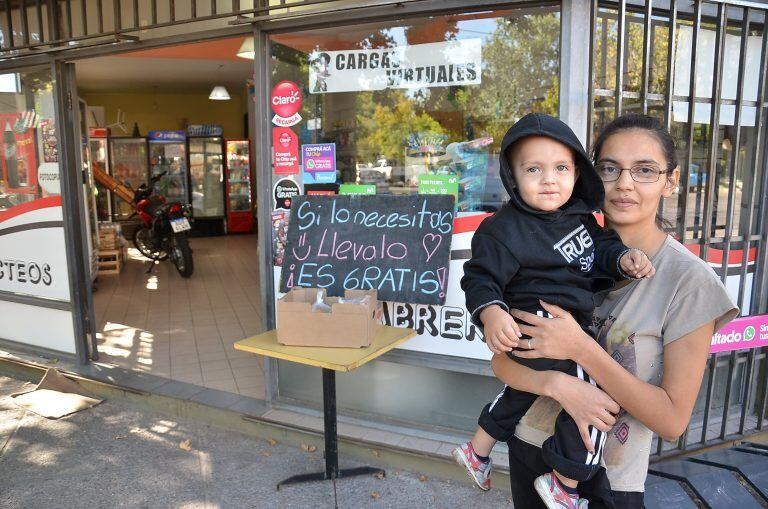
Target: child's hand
x=501, y=331
x=637, y=264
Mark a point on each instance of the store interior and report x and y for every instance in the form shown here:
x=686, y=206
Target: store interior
x=182, y=110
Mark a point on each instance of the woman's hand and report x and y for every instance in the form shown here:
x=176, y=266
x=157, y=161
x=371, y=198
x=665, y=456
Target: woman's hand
x=587, y=404
x=560, y=337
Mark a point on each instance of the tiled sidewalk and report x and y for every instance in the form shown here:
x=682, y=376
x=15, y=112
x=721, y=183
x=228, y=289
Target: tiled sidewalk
x=118, y=456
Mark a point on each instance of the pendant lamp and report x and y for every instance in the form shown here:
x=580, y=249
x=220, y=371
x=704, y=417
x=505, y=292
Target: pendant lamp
x=219, y=93
x=246, y=49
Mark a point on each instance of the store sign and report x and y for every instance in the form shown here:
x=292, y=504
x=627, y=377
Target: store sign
x=439, y=184
x=741, y=334
x=25, y=268
x=98, y=132
x=205, y=130
x=319, y=163
x=366, y=189
x=321, y=189
x=286, y=102
x=18, y=166
x=284, y=192
x=285, y=151
x=396, y=245
x=439, y=64
x=48, y=178
x=169, y=136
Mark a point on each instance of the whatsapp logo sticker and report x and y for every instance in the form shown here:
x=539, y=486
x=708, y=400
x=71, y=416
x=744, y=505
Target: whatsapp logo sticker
x=749, y=333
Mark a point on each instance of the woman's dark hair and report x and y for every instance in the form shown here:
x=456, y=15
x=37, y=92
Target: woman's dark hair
x=631, y=121
x=653, y=126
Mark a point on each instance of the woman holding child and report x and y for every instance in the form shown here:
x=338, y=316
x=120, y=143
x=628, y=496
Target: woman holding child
x=653, y=334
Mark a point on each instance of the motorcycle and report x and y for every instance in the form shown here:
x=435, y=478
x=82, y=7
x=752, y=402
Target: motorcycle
x=164, y=227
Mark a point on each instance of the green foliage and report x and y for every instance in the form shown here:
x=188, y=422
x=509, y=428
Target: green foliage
x=519, y=75
x=384, y=128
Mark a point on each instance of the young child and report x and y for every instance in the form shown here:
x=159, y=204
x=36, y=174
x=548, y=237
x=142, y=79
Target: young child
x=544, y=244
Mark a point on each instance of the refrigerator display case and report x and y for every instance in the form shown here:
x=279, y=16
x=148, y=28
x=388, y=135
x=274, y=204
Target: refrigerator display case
x=100, y=160
x=129, y=163
x=168, y=153
x=206, y=183
x=239, y=200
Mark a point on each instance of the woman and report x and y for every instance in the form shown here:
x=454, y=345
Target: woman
x=653, y=334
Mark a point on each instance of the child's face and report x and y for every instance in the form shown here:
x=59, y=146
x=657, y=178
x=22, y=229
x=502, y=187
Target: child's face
x=545, y=172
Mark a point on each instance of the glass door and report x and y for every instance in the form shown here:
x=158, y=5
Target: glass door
x=206, y=177
x=238, y=176
x=172, y=159
x=128, y=158
x=100, y=160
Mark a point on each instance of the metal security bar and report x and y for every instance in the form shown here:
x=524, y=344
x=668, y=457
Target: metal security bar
x=653, y=59
x=31, y=26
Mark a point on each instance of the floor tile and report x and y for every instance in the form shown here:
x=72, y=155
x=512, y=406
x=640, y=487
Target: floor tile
x=218, y=374
x=160, y=324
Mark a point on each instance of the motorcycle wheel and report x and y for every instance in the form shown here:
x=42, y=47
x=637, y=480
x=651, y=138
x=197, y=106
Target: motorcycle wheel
x=142, y=239
x=183, y=256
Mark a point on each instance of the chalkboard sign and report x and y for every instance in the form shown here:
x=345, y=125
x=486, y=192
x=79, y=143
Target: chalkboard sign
x=397, y=245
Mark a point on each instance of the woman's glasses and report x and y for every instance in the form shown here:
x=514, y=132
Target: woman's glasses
x=643, y=173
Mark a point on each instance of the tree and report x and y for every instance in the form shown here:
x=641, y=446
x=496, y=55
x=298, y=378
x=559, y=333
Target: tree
x=383, y=128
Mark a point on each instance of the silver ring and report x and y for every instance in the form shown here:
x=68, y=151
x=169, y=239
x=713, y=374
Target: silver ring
x=530, y=343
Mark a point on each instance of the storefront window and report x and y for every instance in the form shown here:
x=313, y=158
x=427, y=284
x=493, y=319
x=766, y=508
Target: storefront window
x=33, y=262
x=406, y=107
x=428, y=97
x=28, y=137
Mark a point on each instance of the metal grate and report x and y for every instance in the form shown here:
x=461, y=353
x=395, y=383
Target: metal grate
x=30, y=26
x=677, y=63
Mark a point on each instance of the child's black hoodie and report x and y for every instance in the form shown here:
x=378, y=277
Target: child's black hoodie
x=521, y=255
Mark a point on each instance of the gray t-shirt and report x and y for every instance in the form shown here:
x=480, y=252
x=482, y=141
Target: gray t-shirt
x=634, y=324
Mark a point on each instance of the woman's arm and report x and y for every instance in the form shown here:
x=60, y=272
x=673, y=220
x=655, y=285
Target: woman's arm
x=585, y=403
x=665, y=409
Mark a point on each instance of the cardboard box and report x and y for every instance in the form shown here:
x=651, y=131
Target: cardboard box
x=347, y=325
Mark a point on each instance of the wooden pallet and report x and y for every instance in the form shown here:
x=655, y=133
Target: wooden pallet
x=110, y=261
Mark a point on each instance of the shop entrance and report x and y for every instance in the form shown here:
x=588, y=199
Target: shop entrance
x=177, y=120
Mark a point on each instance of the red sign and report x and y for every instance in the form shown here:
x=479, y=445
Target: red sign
x=286, y=103
x=19, y=161
x=286, y=98
x=98, y=132
x=285, y=144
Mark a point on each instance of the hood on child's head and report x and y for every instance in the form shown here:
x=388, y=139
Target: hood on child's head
x=588, y=192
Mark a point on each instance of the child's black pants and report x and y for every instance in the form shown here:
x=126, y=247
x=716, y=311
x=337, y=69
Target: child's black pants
x=564, y=451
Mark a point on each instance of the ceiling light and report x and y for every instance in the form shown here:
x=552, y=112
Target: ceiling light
x=246, y=49
x=219, y=93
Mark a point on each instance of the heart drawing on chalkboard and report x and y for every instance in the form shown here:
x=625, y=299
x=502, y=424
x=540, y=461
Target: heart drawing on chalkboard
x=431, y=242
